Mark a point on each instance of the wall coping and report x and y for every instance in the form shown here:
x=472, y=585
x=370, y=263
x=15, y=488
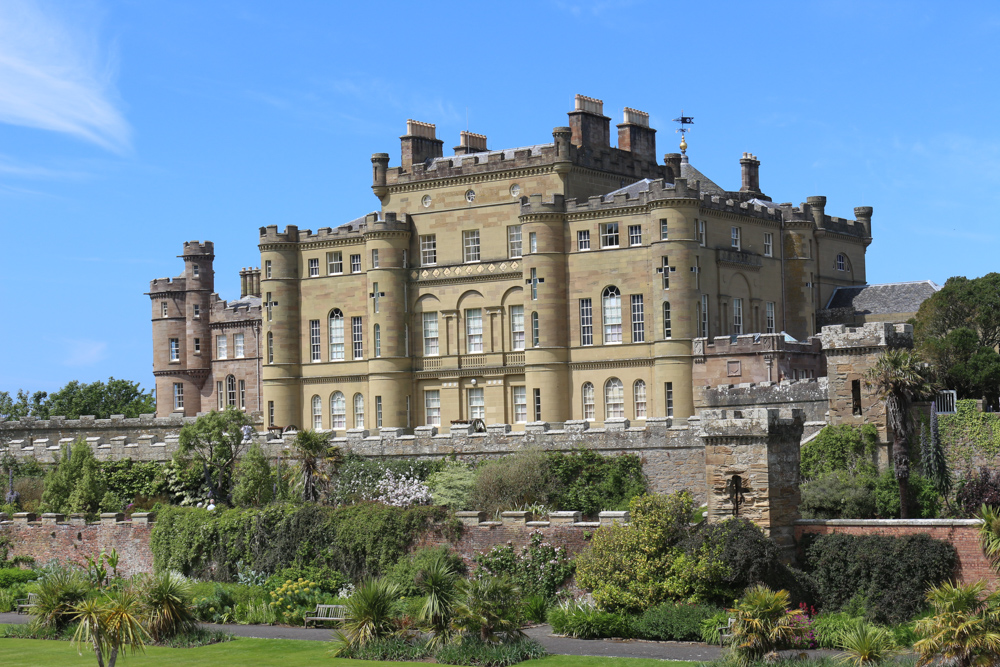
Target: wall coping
x=920, y=523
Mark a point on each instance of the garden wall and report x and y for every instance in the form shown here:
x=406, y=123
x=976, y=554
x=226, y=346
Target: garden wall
x=963, y=534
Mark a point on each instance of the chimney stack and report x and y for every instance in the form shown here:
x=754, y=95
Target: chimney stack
x=470, y=142
x=635, y=135
x=750, y=171
x=589, y=124
x=420, y=143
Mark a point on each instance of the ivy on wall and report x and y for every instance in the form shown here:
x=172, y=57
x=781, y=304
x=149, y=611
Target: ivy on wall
x=969, y=434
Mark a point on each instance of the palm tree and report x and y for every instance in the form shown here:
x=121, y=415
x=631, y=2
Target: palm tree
x=763, y=623
x=316, y=457
x=110, y=625
x=989, y=533
x=370, y=615
x=896, y=379
x=490, y=610
x=964, y=629
x=442, y=586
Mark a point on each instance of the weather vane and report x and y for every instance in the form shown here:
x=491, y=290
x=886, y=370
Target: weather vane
x=684, y=120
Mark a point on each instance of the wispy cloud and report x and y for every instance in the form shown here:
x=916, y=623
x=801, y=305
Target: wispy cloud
x=84, y=352
x=55, y=75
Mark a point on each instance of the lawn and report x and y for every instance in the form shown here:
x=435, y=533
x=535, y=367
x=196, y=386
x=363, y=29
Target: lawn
x=256, y=652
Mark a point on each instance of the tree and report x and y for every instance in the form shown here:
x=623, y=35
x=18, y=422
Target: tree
x=110, y=625
x=76, y=482
x=215, y=442
x=22, y=405
x=254, y=479
x=117, y=397
x=316, y=458
x=896, y=379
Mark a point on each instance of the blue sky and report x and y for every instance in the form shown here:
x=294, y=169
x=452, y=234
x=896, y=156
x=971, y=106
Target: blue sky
x=128, y=127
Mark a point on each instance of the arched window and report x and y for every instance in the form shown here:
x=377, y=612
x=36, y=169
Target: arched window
x=841, y=262
x=588, y=401
x=317, y=406
x=270, y=347
x=534, y=330
x=230, y=390
x=338, y=411
x=666, y=319
x=336, y=335
x=639, y=394
x=611, y=300
x=614, y=399
x=378, y=341
x=359, y=411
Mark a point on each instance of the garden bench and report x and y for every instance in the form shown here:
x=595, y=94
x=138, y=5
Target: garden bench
x=327, y=612
x=726, y=632
x=27, y=603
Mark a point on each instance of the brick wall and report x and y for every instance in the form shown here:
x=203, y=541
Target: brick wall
x=963, y=534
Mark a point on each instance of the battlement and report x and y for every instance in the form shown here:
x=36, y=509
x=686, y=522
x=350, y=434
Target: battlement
x=199, y=249
x=246, y=308
x=869, y=335
x=159, y=285
x=754, y=343
x=749, y=423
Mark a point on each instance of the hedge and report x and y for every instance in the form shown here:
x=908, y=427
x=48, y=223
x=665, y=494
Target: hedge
x=10, y=576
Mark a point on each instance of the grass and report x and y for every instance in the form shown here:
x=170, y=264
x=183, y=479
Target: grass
x=257, y=652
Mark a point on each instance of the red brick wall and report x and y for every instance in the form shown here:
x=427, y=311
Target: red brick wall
x=485, y=536
x=962, y=534
x=75, y=542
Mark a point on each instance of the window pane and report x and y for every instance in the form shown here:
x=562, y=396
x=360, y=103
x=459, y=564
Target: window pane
x=639, y=390
x=338, y=411
x=430, y=334
x=588, y=402
x=428, y=250
x=586, y=322
x=357, y=333
x=520, y=405
x=638, y=320
x=612, y=309
x=614, y=399
x=583, y=240
x=477, y=403
x=635, y=234
x=432, y=407
x=474, y=330
x=517, y=327
x=514, y=241
x=336, y=336
x=470, y=243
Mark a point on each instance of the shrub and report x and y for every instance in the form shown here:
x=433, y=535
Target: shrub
x=254, y=479
x=513, y=481
x=328, y=580
x=13, y=576
x=535, y=608
x=710, y=632
x=388, y=649
x=452, y=486
x=839, y=495
x=58, y=592
x=585, y=480
x=840, y=448
x=294, y=599
x=978, y=489
x=584, y=621
x=477, y=652
x=923, y=498
x=763, y=623
x=168, y=600
x=964, y=628
x=866, y=644
x=674, y=622
x=370, y=617
x=490, y=610
x=127, y=479
x=404, y=572
x=829, y=628
x=358, y=477
x=536, y=569
x=887, y=574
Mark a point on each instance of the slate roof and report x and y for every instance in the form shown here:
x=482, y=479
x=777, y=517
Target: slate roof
x=249, y=301
x=886, y=298
x=692, y=175
x=632, y=190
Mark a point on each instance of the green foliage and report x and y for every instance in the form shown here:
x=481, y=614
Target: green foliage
x=830, y=627
x=452, y=486
x=358, y=540
x=673, y=622
x=389, y=649
x=839, y=495
x=589, y=482
x=933, y=458
x=111, y=624
x=117, y=397
x=965, y=627
x=442, y=588
x=358, y=476
x=485, y=654
x=867, y=644
x=405, y=571
x=885, y=576
x=490, y=611
x=519, y=480
x=969, y=433
x=710, y=632
x=989, y=533
x=628, y=567
x=294, y=599
x=168, y=599
x=841, y=448
x=539, y=568
x=23, y=405
x=585, y=621
x=254, y=479
x=13, y=576
x=75, y=483
x=370, y=615
x=924, y=500
x=763, y=623
x=215, y=442
x=318, y=460
x=978, y=489
x=127, y=478
x=326, y=579
x=58, y=591
x=535, y=608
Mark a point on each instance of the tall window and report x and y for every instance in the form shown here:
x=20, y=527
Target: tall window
x=667, y=329
x=586, y=322
x=663, y=229
x=238, y=344
x=702, y=236
x=220, y=395
x=243, y=394
x=268, y=304
x=534, y=284
x=768, y=244
x=338, y=410
x=230, y=390
x=378, y=341
x=841, y=263
x=314, y=268
x=583, y=240
x=196, y=270
x=609, y=235
x=638, y=320
x=267, y=269
x=431, y=335
x=374, y=258
x=178, y=396
x=163, y=309
x=375, y=296
x=736, y=239
x=639, y=399
x=665, y=270
x=355, y=263
x=334, y=263
x=175, y=349
x=314, y=341
x=537, y=396
x=336, y=335
x=270, y=413
x=197, y=346
x=535, y=339
x=635, y=234
x=614, y=399
x=432, y=407
x=704, y=316
x=533, y=242
x=357, y=337
x=270, y=347
x=428, y=250
x=378, y=412
x=517, y=327
x=406, y=264
x=737, y=316
x=474, y=330
x=317, y=411
x=611, y=301
x=668, y=392
x=470, y=245
x=520, y=405
x=856, y=397
x=477, y=403
x=769, y=315
x=514, y=241
x=589, y=413
x=221, y=348
x=359, y=411
x=196, y=311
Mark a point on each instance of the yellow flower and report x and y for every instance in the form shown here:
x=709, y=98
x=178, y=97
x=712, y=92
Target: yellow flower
x=300, y=578
x=288, y=607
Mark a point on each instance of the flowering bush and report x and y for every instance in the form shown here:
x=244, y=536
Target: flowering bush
x=803, y=637
x=400, y=490
x=539, y=568
x=294, y=599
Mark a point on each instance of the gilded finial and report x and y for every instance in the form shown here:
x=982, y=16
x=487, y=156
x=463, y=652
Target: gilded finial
x=684, y=144
x=683, y=121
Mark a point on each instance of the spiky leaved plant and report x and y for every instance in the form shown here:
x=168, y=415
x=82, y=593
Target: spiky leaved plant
x=443, y=588
x=763, y=623
x=169, y=610
x=965, y=628
x=369, y=615
x=110, y=625
x=865, y=645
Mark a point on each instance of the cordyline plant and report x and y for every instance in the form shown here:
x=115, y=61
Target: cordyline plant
x=318, y=460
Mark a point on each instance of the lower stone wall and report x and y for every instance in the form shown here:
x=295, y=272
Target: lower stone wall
x=963, y=534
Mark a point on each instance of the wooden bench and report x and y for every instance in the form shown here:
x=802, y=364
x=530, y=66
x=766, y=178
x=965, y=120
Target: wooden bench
x=327, y=612
x=24, y=605
x=726, y=632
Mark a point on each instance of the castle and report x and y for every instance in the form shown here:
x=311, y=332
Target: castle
x=554, y=282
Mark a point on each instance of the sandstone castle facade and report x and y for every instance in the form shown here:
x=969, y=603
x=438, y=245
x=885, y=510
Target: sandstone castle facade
x=555, y=282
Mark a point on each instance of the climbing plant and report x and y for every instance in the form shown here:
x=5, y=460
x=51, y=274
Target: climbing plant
x=969, y=432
